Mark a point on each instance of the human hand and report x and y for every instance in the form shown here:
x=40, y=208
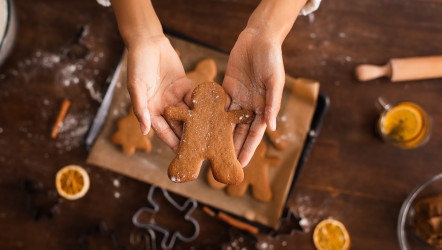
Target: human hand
x=254, y=80
x=156, y=79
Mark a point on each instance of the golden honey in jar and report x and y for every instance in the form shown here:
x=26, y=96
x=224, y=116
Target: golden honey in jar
x=406, y=124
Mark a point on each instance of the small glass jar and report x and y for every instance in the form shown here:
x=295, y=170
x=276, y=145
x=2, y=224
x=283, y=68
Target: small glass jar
x=405, y=124
x=8, y=28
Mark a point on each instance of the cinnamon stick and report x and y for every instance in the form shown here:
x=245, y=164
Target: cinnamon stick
x=237, y=223
x=61, y=114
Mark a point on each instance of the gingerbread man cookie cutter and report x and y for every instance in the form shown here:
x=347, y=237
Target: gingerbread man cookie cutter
x=169, y=238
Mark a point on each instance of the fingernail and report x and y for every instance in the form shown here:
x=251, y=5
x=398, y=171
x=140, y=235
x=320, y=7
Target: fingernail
x=273, y=125
x=143, y=129
x=145, y=125
x=244, y=163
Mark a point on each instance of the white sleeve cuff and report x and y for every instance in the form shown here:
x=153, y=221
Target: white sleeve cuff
x=310, y=7
x=105, y=3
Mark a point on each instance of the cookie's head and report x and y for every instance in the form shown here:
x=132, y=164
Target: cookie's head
x=209, y=93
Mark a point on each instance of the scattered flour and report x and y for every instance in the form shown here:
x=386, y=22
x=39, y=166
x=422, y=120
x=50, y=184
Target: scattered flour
x=311, y=18
x=72, y=131
x=94, y=93
x=263, y=245
x=67, y=72
x=309, y=213
x=116, y=183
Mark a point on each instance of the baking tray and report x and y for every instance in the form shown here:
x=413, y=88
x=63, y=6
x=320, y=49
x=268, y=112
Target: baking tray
x=303, y=149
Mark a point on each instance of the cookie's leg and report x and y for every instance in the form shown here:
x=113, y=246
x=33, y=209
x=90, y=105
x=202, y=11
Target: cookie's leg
x=227, y=169
x=184, y=167
x=212, y=182
x=261, y=191
x=237, y=190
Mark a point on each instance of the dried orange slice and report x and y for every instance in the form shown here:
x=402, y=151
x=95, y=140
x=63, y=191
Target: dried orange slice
x=72, y=182
x=331, y=234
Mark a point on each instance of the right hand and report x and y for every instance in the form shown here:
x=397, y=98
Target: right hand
x=156, y=79
x=254, y=80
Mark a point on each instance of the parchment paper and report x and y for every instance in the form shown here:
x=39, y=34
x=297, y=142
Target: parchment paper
x=298, y=105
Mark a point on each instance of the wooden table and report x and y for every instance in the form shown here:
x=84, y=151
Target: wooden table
x=350, y=175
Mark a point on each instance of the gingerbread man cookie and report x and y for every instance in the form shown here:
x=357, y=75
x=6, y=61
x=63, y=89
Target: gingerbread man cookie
x=276, y=139
x=205, y=71
x=255, y=175
x=129, y=135
x=207, y=134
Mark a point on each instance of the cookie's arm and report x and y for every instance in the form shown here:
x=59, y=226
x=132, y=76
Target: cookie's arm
x=241, y=116
x=176, y=113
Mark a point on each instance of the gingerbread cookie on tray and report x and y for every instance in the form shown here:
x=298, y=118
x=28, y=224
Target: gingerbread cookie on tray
x=276, y=139
x=255, y=176
x=207, y=134
x=205, y=71
x=129, y=135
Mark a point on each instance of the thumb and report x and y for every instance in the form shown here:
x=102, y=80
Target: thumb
x=145, y=122
x=138, y=95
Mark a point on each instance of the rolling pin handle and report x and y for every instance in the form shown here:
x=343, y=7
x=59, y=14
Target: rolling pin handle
x=367, y=72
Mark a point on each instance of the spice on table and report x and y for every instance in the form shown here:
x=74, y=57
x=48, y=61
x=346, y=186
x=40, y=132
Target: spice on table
x=61, y=114
x=72, y=182
x=427, y=220
x=331, y=234
x=237, y=223
x=231, y=221
x=209, y=211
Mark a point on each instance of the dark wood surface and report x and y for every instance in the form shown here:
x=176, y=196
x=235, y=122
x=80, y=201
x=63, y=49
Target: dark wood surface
x=350, y=175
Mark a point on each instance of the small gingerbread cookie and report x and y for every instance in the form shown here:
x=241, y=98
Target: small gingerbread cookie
x=276, y=139
x=256, y=176
x=129, y=135
x=207, y=134
x=205, y=71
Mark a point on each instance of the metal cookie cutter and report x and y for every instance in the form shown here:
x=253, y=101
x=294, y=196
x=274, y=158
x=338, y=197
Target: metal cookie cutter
x=141, y=236
x=288, y=224
x=169, y=238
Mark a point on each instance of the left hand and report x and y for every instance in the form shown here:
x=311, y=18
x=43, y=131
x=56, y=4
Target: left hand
x=254, y=80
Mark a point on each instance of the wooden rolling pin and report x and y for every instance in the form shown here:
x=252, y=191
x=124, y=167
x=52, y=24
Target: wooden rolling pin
x=404, y=69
